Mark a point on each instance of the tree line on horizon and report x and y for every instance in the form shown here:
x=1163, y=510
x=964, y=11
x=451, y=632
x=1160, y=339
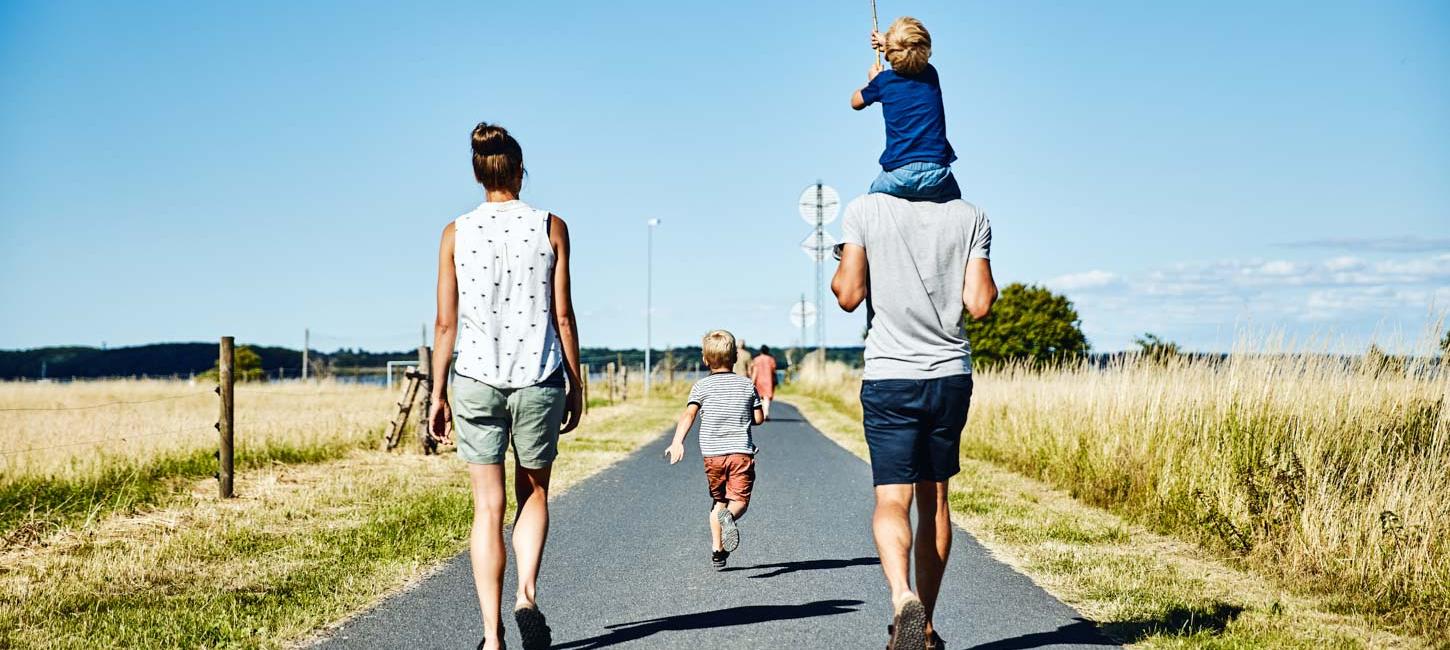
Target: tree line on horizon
x=1029, y=324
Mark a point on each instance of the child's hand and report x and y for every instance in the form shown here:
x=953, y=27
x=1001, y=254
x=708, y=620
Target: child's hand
x=675, y=453
x=878, y=41
x=876, y=69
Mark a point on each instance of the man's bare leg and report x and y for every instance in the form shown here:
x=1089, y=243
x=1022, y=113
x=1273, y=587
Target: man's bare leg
x=891, y=526
x=485, y=547
x=933, y=542
x=531, y=528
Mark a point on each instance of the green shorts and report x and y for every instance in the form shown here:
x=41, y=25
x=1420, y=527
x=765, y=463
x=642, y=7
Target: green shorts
x=485, y=419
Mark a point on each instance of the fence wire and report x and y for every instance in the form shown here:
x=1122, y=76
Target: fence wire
x=105, y=404
x=97, y=441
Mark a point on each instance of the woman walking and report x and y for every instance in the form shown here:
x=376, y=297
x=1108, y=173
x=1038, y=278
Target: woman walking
x=503, y=299
x=762, y=372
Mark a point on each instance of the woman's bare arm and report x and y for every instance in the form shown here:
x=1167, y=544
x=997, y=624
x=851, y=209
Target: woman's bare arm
x=445, y=330
x=565, y=324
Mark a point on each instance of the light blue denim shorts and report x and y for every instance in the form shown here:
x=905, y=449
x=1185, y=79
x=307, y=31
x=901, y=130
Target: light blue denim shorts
x=919, y=181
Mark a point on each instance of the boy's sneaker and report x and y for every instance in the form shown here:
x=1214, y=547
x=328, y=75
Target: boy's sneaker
x=729, y=532
x=717, y=559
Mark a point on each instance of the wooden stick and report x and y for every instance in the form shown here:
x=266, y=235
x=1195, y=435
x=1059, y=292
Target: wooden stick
x=875, y=27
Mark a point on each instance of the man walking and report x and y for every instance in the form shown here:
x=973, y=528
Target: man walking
x=918, y=266
x=742, y=358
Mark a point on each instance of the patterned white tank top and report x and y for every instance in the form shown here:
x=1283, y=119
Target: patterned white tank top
x=505, y=268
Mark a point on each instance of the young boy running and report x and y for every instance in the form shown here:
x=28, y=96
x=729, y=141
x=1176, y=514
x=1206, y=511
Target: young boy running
x=916, y=164
x=729, y=406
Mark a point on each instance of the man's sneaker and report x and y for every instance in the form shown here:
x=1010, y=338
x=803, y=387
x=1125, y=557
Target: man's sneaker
x=935, y=642
x=717, y=559
x=729, y=532
x=908, y=631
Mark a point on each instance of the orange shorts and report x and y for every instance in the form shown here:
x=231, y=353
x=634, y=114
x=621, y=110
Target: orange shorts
x=730, y=477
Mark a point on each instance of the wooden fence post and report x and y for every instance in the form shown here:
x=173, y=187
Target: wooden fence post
x=225, y=422
x=425, y=367
x=609, y=380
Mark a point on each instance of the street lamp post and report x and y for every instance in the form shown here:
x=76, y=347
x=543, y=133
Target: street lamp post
x=649, y=300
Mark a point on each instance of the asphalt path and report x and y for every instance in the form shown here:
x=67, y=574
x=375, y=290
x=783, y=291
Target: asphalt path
x=628, y=566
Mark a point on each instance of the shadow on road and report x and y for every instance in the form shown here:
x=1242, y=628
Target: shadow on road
x=1175, y=622
x=782, y=568
x=1082, y=632
x=747, y=615
x=1178, y=621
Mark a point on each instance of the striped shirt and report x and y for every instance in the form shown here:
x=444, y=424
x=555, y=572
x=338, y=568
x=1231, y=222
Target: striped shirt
x=727, y=403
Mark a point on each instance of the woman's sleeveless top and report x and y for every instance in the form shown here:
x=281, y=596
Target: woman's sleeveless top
x=505, y=268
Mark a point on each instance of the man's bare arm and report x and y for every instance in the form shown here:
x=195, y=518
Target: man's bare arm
x=849, y=283
x=979, y=290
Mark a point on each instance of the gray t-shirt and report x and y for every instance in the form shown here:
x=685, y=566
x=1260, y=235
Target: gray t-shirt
x=916, y=255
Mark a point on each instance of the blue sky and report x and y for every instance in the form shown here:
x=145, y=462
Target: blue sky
x=180, y=171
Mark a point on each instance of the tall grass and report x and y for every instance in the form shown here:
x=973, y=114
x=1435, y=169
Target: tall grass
x=1333, y=477
x=79, y=449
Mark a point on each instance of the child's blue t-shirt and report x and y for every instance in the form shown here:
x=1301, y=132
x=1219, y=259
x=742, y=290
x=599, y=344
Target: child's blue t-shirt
x=916, y=123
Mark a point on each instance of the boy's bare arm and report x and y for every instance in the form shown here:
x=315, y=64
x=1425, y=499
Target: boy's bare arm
x=676, y=450
x=758, y=415
x=878, y=42
x=857, y=102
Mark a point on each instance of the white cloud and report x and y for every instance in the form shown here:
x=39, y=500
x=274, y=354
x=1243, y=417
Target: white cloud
x=1405, y=244
x=1339, y=294
x=1094, y=279
x=1277, y=267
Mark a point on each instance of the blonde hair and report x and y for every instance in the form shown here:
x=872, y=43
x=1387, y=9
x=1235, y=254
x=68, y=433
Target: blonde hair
x=718, y=349
x=908, y=45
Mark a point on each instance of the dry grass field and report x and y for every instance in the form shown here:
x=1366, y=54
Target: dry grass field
x=84, y=429
x=81, y=449
x=1329, y=477
x=132, y=548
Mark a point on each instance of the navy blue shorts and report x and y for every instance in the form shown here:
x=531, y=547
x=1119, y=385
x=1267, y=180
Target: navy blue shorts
x=914, y=427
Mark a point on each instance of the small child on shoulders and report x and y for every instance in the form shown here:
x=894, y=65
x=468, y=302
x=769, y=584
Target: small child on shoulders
x=916, y=164
x=728, y=406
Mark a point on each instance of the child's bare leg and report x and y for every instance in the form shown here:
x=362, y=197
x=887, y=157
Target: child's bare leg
x=715, y=543
x=737, y=509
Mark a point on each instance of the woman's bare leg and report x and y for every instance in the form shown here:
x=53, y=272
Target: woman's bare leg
x=485, y=546
x=531, y=528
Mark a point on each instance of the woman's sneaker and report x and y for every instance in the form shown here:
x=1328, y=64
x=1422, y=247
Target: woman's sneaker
x=729, y=532
x=717, y=559
x=533, y=628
